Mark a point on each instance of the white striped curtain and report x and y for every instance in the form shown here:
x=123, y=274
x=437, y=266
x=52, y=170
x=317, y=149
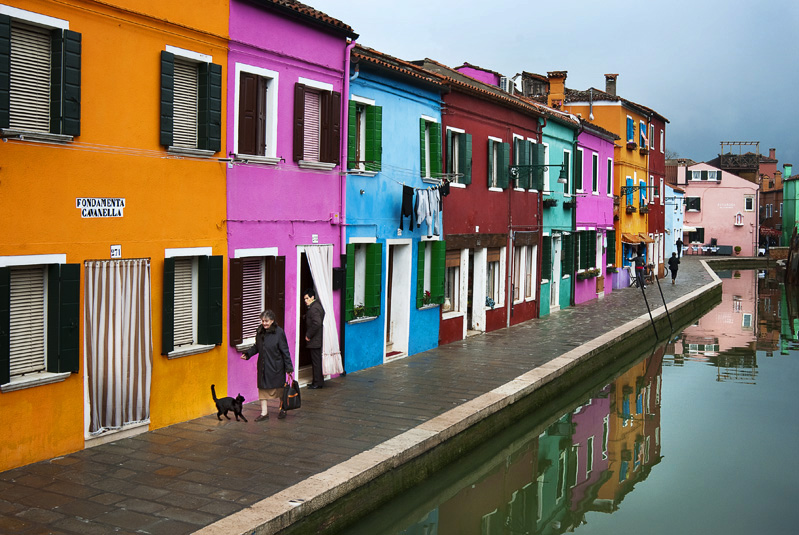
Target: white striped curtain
x=117, y=342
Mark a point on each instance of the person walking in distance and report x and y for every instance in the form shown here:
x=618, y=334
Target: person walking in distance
x=679, y=247
x=314, y=319
x=674, y=265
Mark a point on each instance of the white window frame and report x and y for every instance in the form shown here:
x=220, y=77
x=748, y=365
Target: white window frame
x=662, y=142
x=749, y=203
x=318, y=87
x=547, y=189
x=531, y=271
x=579, y=185
x=595, y=173
x=270, y=128
x=456, y=133
x=194, y=253
x=359, y=270
x=458, y=300
x=567, y=163
x=262, y=253
x=494, y=172
x=609, y=178
x=499, y=302
x=533, y=140
x=514, y=138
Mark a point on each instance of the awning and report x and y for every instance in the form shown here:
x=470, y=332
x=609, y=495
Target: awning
x=646, y=239
x=686, y=228
x=630, y=238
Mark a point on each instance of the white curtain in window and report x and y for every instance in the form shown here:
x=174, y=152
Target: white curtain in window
x=117, y=342
x=319, y=258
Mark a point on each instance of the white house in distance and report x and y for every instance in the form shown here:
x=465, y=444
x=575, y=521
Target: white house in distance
x=720, y=211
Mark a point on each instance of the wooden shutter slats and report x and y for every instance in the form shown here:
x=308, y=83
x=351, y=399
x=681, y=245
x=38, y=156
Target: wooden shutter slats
x=252, y=295
x=185, y=105
x=30, y=71
x=184, y=326
x=312, y=129
x=27, y=320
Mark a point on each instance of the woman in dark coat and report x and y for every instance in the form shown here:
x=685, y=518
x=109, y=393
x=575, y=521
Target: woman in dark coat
x=674, y=265
x=274, y=362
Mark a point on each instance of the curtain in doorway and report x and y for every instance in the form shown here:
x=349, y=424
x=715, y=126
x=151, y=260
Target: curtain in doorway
x=319, y=258
x=117, y=342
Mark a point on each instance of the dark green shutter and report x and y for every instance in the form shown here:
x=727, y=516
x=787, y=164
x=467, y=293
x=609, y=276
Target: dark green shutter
x=610, y=252
x=578, y=170
x=450, y=163
x=438, y=270
x=537, y=175
x=567, y=259
x=422, y=158
x=168, y=308
x=352, y=137
x=583, y=237
x=374, y=275
x=209, y=300
x=592, y=249
x=167, y=99
x=420, y=274
x=236, y=298
x=490, y=174
x=546, y=257
x=374, y=138
x=465, y=158
x=209, y=107
x=5, y=325
x=65, y=82
x=523, y=159
x=69, y=319
x=349, y=287
x=435, y=150
x=5, y=74
x=504, y=163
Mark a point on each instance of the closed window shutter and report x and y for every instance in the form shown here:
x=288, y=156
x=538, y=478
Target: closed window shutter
x=629, y=192
x=438, y=271
x=465, y=158
x=209, y=107
x=435, y=150
x=610, y=252
x=630, y=130
x=583, y=250
x=578, y=169
x=311, y=131
x=539, y=157
x=522, y=149
x=236, y=276
x=5, y=320
x=374, y=275
x=374, y=138
x=30, y=67
x=65, y=88
x=248, y=113
x=168, y=308
x=642, y=192
x=546, y=258
x=27, y=313
x=167, y=98
x=299, y=121
x=491, y=163
x=450, y=163
x=592, y=249
x=63, y=318
x=275, y=287
x=420, y=274
x=423, y=146
x=209, y=300
x=5, y=78
x=331, y=138
x=183, y=331
x=567, y=260
x=252, y=295
x=502, y=166
x=349, y=286
x=185, y=105
x=352, y=135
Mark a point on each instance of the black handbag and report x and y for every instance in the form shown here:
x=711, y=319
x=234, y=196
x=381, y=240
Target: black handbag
x=291, y=396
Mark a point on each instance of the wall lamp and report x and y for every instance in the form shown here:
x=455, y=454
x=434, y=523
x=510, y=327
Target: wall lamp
x=563, y=178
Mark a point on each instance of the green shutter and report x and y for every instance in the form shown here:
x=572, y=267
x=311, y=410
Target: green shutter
x=349, y=286
x=422, y=159
x=503, y=179
x=567, y=257
x=167, y=98
x=592, y=249
x=465, y=158
x=352, y=131
x=209, y=300
x=209, y=107
x=374, y=275
x=374, y=138
x=523, y=152
x=583, y=237
x=5, y=74
x=438, y=270
x=578, y=170
x=537, y=175
x=490, y=162
x=610, y=252
x=420, y=275
x=435, y=150
x=546, y=257
x=450, y=166
x=168, y=308
x=65, y=82
x=69, y=319
x=5, y=325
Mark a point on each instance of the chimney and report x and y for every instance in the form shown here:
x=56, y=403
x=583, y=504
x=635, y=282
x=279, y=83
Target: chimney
x=557, y=89
x=610, y=84
x=772, y=153
x=787, y=170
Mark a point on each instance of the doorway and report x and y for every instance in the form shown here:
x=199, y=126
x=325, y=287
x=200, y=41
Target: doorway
x=476, y=313
x=398, y=297
x=554, y=284
x=306, y=281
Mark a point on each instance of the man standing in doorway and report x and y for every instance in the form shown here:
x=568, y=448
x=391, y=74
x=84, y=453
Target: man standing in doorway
x=679, y=247
x=314, y=319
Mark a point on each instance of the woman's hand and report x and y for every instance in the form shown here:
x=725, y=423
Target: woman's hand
x=243, y=356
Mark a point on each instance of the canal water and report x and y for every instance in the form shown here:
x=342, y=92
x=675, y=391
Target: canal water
x=700, y=435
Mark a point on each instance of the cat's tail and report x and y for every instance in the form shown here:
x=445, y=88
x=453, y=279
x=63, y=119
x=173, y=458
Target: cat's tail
x=213, y=392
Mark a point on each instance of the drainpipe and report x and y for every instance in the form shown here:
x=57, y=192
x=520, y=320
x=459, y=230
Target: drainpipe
x=343, y=193
x=580, y=129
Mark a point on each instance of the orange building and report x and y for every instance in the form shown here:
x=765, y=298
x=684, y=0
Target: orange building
x=112, y=196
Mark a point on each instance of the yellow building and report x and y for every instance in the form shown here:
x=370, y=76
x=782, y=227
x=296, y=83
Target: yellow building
x=112, y=198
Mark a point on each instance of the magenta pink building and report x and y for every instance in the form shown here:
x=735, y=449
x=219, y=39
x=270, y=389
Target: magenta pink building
x=287, y=67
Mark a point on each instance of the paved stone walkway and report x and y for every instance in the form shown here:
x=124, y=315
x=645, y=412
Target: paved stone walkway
x=219, y=477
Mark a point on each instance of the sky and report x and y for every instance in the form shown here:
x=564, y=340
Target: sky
x=718, y=70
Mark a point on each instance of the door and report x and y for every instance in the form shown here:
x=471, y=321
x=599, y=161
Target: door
x=306, y=281
x=398, y=297
x=554, y=284
x=389, y=293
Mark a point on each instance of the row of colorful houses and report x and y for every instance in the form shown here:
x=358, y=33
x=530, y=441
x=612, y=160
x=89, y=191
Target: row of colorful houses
x=170, y=173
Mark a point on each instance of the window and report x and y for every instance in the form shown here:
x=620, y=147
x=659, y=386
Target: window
x=652, y=140
x=595, y=173
x=537, y=157
x=498, y=162
x=40, y=72
x=697, y=236
x=430, y=147
x=191, y=101
x=521, y=156
x=589, y=457
x=452, y=281
x=579, y=177
x=546, y=258
x=749, y=203
x=192, y=302
x=430, y=276
x=587, y=249
x=780, y=210
x=494, y=276
x=256, y=121
x=662, y=141
x=530, y=274
x=518, y=273
x=747, y=321
x=40, y=305
x=545, y=162
x=365, y=136
x=693, y=204
x=629, y=192
x=317, y=124
x=706, y=175
x=610, y=177
x=567, y=261
x=568, y=187
x=459, y=156
x=610, y=251
x=363, y=280
x=642, y=141
x=630, y=130
x=257, y=283
x=642, y=197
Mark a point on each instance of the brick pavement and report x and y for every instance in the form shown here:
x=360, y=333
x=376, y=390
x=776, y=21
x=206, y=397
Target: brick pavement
x=226, y=477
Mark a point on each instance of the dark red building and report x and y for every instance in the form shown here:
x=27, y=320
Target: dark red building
x=656, y=223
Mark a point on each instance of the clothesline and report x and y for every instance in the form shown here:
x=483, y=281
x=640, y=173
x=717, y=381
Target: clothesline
x=444, y=179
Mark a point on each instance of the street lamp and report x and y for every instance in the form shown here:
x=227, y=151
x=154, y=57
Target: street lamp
x=563, y=178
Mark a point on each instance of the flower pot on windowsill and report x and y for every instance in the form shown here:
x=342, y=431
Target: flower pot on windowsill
x=645, y=209
x=643, y=150
x=631, y=209
x=631, y=145
x=568, y=204
x=616, y=200
x=548, y=203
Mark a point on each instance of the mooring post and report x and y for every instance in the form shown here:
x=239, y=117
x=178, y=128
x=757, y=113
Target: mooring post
x=664, y=302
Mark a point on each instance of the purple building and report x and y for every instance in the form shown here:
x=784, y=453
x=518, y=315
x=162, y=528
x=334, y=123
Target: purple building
x=287, y=68
x=593, y=171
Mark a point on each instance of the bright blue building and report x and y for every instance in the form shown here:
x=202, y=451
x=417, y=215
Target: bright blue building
x=395, y=271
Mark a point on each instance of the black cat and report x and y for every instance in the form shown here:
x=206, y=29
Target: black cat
x=224, y=405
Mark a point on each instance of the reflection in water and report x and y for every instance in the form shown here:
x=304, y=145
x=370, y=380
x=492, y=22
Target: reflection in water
x=549, y=475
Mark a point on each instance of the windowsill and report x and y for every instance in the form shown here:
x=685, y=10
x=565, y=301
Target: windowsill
x=33, y=380
x=428, y=306
x=245, y=158
x=544, y=281
x=196, y=153
x=452, y=315
x=430, y=238
x=519, y=189
x=564, y=277
x=361, y=320
x=245, y=344
x=596, y=193
x=190, y=350
x=25, y=135
x=532, y=191
x=457, y=185
x=529, y=299
x=500, y=190
x=319, y=166
x=360, y=172
x=498, y=305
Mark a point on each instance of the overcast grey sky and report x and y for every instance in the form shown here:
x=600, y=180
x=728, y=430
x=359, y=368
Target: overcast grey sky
x=718, y=70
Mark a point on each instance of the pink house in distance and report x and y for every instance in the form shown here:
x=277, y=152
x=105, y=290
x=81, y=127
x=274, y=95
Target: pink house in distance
x=720, y=211
x=287, y=67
